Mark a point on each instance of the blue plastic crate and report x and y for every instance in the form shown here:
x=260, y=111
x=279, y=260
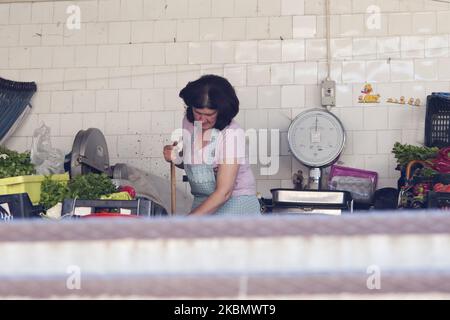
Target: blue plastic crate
x=437, y=120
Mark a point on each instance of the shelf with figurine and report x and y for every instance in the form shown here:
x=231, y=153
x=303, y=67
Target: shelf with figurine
x=402, y=100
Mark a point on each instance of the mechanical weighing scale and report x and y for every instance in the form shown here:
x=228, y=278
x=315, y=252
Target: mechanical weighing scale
x=316, y=138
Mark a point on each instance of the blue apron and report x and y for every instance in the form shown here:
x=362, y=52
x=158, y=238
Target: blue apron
x=202, y=180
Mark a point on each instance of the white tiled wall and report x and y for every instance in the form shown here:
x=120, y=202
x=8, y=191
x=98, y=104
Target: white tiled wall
x=122, y=71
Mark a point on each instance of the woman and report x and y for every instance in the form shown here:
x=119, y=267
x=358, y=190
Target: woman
x=214, y=155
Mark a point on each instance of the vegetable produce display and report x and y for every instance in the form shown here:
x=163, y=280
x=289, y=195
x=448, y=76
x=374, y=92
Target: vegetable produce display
x=14, y=164
x=440, y=187
x=87, y=187
x=441, y=163
x=52, y=192
x=405, y=153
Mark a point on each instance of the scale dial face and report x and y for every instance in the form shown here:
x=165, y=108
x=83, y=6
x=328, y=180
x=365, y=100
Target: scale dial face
x=316, y=138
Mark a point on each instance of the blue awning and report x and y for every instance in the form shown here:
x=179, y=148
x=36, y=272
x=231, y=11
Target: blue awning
x=14, y=105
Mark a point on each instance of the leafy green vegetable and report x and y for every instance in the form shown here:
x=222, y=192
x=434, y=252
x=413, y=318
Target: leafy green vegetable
x=87, y=187
x=52, y=192
x=90, y=186
x=14, y=164
x=405, y=153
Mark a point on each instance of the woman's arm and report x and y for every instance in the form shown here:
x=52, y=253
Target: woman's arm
x=226, y=178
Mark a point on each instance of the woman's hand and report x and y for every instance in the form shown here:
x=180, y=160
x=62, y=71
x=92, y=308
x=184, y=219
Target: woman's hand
x=168, y=152
x=169, y=155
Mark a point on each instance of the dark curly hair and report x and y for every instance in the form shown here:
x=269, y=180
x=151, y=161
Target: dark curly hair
x=213, y=92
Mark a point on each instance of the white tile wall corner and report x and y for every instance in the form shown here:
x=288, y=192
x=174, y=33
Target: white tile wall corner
x=164, y=30
x=119, y=32
x=94, y=120
x=199, y=52
x=402, y=70
x=353, y=71
x=282, y=73
x=424, y=23
x=221, y=8
x=292, y=7
x=258, y=74
x=269, y=97
x=236, y=74
x=293, y=50
x=393, y=172
x=245, y=8
x=293, y=96
x=375, y=118
x=246, y=52
x=52, y=34
x=306, y=72
x=234, y=28
x=400, y=23
x=352, y=25
x=304, y=26
x=20, y=13
x=97, y=78
x=216, y=69
x=344, y=95
x=388, y=47
x=29, y=35
x=211, y=29
x=364, y=48
x=316, y=49
x=399, y=116
x=120, y=78
x=364, y=142
x=443, y=17
x=186, y=73
x=280, y=27
x=269, y=7
x=176, y=53
x=71, y=124
x=377, y=71
x=378, y=163
x=341, y=49
x=222, y=52
x=444, y=69
x=257, y=28
x=4, y=12
x=413, y=47
x=312, y=96
x=248, y=97
x=437, y=46
x=106, y=100
x=348, y=147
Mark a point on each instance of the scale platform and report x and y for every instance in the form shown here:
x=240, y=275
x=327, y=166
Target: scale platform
x=311, y=201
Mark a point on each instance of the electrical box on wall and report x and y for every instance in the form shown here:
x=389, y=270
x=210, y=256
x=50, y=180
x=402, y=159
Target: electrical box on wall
x=328, y=93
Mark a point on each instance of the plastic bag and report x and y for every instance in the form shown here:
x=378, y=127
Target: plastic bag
x=47, y=160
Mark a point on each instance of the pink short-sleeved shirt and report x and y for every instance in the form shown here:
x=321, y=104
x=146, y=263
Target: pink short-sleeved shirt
x=230, y=147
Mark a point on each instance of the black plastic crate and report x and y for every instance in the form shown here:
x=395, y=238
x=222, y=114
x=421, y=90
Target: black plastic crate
x=439, y=200
x=140, y=207
x=18, y=206
x=437, y=120
x=443, y=178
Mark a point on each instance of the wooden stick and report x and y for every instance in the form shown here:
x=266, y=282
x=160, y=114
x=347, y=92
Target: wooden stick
x=173, y=185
